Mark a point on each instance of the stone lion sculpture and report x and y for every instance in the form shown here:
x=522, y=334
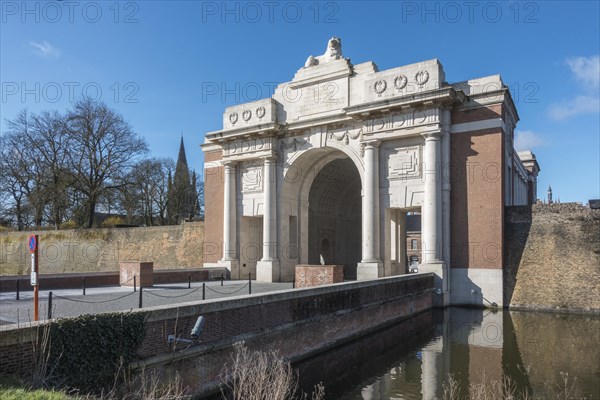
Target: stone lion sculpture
x=332, y=52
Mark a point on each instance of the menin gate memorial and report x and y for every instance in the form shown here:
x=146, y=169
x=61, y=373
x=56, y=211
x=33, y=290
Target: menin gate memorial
x=330, y=168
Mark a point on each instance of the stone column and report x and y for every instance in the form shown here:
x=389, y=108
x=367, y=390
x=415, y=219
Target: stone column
x=230, y=217
x=431, y=215
x=269, y=211
x=371, y=263
x=268, y=267
x=432, y=210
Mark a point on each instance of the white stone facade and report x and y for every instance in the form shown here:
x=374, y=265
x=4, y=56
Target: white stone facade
x=327, y=168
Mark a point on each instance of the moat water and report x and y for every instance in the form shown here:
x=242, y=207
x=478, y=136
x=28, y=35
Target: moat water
x=412, y=360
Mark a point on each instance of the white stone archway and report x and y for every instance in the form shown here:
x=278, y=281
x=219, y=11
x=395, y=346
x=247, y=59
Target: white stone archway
x=307, y=170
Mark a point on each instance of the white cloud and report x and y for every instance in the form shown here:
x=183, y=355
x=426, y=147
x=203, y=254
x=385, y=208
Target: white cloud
x=584, y=104
x=586, y=69
x=527, y=140
x=45, y=49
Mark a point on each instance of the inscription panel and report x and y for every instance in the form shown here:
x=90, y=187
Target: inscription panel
x=404, y=163
x=313, y=100
x=252, y=177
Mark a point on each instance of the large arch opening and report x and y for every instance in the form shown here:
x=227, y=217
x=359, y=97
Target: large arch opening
x=334, y=216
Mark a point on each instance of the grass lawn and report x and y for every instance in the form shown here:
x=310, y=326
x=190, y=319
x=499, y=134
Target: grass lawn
x=12, y=389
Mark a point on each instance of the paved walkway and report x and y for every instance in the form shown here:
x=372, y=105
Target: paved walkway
x=71, y=302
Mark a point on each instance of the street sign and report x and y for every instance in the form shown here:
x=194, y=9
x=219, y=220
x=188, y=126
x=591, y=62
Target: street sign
x=33, y=271
x=32, y=244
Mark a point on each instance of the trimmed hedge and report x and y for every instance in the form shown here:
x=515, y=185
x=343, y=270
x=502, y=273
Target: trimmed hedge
x=86, y=352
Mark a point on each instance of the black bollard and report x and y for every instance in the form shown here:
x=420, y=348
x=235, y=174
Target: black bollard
x=203, y=290
x=222, y=277
x=189, y=281
x=250, y=283
x=84, y=285
x=294, y=284
x=140, y=305
x=17, y=289
x=50, y=305
x=134, y=283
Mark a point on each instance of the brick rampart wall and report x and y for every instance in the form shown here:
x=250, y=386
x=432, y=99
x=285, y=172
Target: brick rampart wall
x=101, y=250
x=552, y=257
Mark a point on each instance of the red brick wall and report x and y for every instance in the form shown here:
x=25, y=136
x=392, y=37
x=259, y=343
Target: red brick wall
x=143, y=271
x=297, y=323
x=213, y=208
x=308, y=321
x=477, y=205
x=62, y=281
x=75, y=281
x=410, y=252
x=315, y=275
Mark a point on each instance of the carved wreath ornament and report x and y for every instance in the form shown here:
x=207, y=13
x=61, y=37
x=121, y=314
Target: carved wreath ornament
x=233, y=117
x=421, y=77
x=380, y=86
x=246, y=115
x=260, y=112
x=400, y=82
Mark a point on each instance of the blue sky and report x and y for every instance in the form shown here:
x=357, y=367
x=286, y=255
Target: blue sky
x=172, y=67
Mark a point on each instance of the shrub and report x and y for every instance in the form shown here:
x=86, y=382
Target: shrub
x=111, y=222
x=258, y=375
x=87, y=352
x=70, y=224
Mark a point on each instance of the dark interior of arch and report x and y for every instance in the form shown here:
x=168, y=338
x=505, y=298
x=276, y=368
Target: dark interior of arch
x=335, y=217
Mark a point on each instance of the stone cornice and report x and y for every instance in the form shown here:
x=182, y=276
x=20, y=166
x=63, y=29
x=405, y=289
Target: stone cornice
x=445, y=96
x=264, y=130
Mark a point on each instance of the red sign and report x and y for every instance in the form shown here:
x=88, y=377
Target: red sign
x=32, y=243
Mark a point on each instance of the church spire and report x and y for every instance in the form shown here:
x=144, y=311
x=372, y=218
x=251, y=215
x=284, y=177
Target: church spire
x=181, y=158
x=181, y=195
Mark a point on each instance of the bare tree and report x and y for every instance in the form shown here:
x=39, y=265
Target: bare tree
x=23, y=172
x=198, y=186
x=12, y=193
x=50, y=140
x=160, y=196
x=103, y=150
